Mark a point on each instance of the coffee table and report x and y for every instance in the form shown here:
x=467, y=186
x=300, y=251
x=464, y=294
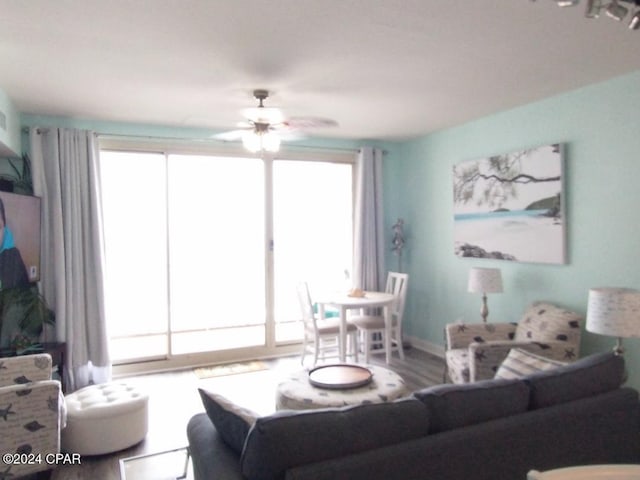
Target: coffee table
x=167, y=465
x=297, y=393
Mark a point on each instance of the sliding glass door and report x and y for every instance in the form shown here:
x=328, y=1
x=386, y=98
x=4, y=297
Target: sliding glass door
x=312, y=231
x=216, y=253
x=184, y=239
x=203, y=251
x=135, y=224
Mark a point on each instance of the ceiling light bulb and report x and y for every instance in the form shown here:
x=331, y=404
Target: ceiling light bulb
x=617, y=11
x=252, y=141
x=271, y=142
x=634, y=24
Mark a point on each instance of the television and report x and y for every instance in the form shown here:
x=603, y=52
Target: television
x=19, y=240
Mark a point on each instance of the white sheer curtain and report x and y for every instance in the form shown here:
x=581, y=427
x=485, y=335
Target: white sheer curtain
x=66, y=177
x=369, y=251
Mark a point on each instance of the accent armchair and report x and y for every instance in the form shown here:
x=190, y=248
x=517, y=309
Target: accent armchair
x=475, y=351
x=31, y=412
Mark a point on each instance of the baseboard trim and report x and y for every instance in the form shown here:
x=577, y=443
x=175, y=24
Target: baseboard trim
x=426, y=346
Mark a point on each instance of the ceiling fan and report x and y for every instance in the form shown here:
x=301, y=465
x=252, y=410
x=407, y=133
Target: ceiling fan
x=265, y=127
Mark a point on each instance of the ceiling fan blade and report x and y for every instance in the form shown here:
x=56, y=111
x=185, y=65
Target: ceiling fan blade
x=302, y=123
x=263, y=114
x=229, y=136
x=290, y=136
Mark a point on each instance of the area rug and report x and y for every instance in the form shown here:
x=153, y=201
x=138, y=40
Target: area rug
x=229, y=369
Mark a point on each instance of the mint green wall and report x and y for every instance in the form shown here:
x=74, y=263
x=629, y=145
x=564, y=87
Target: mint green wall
x=600, y=126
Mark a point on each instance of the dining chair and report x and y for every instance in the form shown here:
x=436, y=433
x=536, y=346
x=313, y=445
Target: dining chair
x=322, y=335
x=372, y=329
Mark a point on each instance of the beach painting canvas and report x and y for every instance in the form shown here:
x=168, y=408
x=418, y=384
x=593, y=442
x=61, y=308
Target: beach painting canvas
x=510, y=206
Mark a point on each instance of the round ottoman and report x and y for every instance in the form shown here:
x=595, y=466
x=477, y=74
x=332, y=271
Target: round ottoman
x=296, y=393
x=104, y=418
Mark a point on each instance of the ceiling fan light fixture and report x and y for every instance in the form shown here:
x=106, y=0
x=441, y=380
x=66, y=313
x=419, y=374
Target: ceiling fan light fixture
x=251, y=140
x=593, y=8
x=567, y=3
x=616, y=11
x=261, y=140
x=263, y=114
x=271, y=142
x=266, y=127
x=613, y=9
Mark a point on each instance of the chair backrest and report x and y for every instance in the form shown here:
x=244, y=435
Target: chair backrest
x=544, y=322
x=27, y=368
x=28, y=398
x=397, y=284
x=306, y=306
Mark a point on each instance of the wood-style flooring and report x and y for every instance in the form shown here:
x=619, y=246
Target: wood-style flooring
x=174, y=398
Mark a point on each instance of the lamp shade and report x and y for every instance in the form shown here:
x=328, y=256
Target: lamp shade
x=485, y=280
x=614, y=312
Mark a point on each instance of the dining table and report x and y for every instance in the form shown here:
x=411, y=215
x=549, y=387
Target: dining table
x=343, y=301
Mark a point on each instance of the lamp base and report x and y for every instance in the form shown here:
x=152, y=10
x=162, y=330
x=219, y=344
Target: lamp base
x=618, y=349
x=484, y=310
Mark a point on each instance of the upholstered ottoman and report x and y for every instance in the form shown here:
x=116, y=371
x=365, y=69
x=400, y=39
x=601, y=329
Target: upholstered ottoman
x=105, y=418
x=296, y=393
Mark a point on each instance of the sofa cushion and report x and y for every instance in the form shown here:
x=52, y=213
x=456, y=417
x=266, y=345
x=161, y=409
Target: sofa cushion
x=586, y=377
x=544, y=322
x=521, y=362
x=231, y=421
x=456, y=405
x=289, y=438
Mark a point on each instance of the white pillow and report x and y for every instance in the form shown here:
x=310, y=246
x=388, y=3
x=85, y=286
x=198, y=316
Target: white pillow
x=520, y=363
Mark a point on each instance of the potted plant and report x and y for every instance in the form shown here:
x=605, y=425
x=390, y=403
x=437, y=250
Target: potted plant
x=24, y=313
x=20, y=180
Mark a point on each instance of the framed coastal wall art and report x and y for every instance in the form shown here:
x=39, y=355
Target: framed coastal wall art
x=511, y=206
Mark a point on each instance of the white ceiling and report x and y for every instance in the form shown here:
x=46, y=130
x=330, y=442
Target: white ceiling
x=385, y=69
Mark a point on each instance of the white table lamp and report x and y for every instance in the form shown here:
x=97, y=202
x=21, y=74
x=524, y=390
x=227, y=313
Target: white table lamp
x=485, y=280
x=614, y=312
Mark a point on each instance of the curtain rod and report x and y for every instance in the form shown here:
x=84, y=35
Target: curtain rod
x=38, y=130
x=116, y=136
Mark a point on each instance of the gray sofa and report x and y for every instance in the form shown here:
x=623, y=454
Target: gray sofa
x=493, y=429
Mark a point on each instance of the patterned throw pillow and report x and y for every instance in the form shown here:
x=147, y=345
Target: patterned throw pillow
x=544, y=322
x=520, y=363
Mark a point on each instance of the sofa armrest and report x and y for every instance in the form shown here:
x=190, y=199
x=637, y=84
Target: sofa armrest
x=486, y=357
x=211, y=457
x=460, y=335
x=30, y=415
